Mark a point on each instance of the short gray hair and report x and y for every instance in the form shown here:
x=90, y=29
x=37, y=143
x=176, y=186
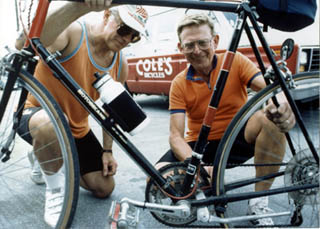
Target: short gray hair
x=195, y=19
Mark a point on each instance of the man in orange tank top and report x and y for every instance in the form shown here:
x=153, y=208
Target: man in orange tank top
x=190, y=95
x=85, y=48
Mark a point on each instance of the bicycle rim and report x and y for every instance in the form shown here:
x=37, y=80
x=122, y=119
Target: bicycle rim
x=19, y=195
x=300, y=169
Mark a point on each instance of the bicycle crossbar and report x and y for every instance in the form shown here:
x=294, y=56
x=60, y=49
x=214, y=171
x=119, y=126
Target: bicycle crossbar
x=194, y=4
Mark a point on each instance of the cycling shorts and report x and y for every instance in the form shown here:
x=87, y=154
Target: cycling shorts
x=88, y=147
x=241, y=151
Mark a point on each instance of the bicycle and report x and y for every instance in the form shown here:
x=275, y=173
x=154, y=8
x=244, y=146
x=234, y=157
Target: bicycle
x=180, y=193
x=5, y=60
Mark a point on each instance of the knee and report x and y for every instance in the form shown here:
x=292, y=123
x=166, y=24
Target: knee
x=270, y=135
x=266, y=124
x=41, y=127
x=42, y=130
x=104, y=190
x=259, y=126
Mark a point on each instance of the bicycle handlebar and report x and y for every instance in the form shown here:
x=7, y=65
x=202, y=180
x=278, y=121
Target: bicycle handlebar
x=195, y=4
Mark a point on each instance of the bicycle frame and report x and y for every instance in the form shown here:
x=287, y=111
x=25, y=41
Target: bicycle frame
x=33, y=46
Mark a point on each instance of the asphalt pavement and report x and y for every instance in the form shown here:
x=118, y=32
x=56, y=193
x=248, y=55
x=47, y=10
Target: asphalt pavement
x=152, y=141
x=130, y=180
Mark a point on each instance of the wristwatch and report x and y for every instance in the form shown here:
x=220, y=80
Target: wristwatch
x=106, y=150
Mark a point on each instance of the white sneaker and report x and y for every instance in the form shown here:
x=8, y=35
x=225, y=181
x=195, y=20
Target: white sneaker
x=36, y=174
x=53, y=205
x=259, y=206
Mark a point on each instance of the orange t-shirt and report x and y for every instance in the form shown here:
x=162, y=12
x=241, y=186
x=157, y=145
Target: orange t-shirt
x=190, y=94
x=81, y=67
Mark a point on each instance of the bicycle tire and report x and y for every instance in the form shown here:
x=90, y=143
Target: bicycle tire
x=18, y=195
x=280, y=202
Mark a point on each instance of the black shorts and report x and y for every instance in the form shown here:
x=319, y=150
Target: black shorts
x=241, y=151
x=88, y=147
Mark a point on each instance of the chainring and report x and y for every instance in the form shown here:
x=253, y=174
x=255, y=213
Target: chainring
x=302, y=169
x=174, y=173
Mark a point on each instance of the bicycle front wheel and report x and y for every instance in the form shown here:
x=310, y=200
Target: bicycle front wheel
x=296, y=168
x=19, y=195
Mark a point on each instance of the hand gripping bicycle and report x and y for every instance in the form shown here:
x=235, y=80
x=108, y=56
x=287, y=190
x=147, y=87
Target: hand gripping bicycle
x=180, y=193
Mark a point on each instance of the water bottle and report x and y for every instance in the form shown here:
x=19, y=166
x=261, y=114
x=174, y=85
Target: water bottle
x=120, y=105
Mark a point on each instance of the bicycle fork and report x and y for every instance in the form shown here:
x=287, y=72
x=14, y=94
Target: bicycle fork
x=12, y=78
x=19, y=60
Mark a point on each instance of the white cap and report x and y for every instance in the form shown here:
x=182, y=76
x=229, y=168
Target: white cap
x=134, y=16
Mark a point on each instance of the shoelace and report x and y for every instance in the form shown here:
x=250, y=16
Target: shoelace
x=265, y=209
x=262, y=221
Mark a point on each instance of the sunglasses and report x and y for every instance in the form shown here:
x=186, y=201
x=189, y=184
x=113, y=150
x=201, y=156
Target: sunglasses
x=125, y=30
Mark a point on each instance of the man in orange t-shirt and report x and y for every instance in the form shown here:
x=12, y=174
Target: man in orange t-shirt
x=190, y=95
x=86, y=48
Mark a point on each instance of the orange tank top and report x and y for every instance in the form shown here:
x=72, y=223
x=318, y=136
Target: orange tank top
x=81, y=66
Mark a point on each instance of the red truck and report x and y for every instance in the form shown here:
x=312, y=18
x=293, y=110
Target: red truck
x=155, y=63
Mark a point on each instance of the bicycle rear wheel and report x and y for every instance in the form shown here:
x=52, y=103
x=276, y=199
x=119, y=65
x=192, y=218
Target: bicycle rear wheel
x=298, y=169
x=19, y=196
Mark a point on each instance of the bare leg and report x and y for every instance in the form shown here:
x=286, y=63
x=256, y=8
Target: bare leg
x=45, y=143
x=100, y=186
x=270, y=146
x=47, y=151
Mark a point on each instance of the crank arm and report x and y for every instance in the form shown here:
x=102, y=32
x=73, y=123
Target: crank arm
x=182, y=209
x=125, y=214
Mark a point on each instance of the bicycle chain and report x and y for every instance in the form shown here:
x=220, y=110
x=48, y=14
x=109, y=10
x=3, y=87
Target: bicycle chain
x=242, y=226
x=29, y=15
x=247, y=165
x=235, y=226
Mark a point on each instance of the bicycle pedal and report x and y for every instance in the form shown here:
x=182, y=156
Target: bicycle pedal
x=123, y=216
x=113, y=214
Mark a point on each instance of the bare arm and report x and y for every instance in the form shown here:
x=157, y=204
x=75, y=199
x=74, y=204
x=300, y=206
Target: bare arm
x=55, y=32
x=107, y=139
x=258, y=83
x=177, y=143
x=21, y=39
x=124, y=70
x=59, y=19
x=109, y=163
x=282, y=116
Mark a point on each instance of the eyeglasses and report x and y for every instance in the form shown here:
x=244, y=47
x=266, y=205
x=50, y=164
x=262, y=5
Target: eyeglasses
x=202, y=44
x=125, y=30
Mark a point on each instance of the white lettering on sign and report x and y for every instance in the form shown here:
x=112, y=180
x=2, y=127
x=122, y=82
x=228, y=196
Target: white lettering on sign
x=154, y=75
x=154, y=68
